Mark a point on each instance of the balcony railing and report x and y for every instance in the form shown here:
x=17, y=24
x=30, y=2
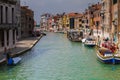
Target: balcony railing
x=8, y=26
x=9, y=1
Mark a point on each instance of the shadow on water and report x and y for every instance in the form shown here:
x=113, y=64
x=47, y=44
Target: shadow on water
x=6, y=68
x=89, y=47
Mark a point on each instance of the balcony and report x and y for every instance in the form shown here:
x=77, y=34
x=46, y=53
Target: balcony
x=8, y=26
x=9, y=1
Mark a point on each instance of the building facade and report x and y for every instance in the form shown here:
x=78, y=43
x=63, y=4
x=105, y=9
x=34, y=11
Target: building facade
x=106, y=18
x=97, y=20
x=92, y=20
x=78, y=22
x=8, y=24
x=18, y=18
x=27, y=22
x=44, y=21
x=118, y=20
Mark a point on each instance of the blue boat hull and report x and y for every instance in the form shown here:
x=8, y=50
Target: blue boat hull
x=111, y=60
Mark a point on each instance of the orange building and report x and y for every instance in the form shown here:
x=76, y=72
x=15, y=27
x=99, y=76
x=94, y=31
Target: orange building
x=75, y=20
x=94, y=18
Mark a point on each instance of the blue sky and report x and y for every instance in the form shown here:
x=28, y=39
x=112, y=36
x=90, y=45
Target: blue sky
x=56, y=6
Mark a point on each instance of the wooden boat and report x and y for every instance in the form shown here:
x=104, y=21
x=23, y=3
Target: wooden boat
x=107, y=56
x=13, y=61
x=75, y=35
x=10, y=60
x=90, y=41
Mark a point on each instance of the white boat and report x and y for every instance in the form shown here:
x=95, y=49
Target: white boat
x=90, y=41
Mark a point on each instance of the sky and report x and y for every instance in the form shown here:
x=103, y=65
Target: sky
x=56, y=6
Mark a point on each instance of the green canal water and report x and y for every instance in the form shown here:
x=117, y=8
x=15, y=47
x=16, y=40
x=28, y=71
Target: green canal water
x=56, y=58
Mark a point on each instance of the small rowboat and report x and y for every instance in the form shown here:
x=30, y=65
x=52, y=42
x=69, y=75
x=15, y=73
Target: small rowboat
x=13, y=61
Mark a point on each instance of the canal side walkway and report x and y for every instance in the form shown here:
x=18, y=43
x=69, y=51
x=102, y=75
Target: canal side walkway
x=22, y=46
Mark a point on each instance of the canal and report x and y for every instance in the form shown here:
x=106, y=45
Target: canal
x=56, y=58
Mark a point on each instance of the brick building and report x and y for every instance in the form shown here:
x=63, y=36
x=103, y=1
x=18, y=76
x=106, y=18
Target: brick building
x=27, y=22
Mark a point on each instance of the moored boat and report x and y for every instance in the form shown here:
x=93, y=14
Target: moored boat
x=107, y=56
x=90, y=41
x=12, y=61
x=75, y=35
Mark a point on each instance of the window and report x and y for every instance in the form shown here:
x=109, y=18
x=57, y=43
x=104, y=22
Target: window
x=87, y=21
x=7, y=37
x=30, y=19
x=103, y=4
x=97, y=23
x=12, y=15
x=80, y=25
x=30, y=32
x=80, y=20
x=6, y=9
x=29, y=26
x=13, y=36
x=1, y=16
x=114, y=1
x=2, y=38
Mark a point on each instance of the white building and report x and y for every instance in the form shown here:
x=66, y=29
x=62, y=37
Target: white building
x=8, y=24
x=44, y=21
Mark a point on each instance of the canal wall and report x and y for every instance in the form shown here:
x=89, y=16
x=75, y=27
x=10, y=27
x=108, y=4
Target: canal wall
x=22, y=46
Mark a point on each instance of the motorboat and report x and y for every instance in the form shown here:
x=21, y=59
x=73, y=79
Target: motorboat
x=107, y=56
x=75, y=35
x=90, y=41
